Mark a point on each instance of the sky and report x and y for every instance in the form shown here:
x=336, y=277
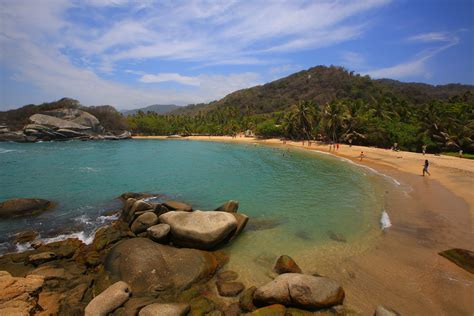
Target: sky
x=131, y=54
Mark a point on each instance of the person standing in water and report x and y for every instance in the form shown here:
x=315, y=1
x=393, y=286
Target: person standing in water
x=425, y=168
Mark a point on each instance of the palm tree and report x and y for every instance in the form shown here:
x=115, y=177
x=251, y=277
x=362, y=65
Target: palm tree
x=333, y=118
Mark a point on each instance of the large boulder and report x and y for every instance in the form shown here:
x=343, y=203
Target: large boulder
x=19, y=296
x=109, y=300
x=151, y=267
x=202, y=230
x=299, y=290
x=56, y=123
x=23, y=206
x=76, y=116
x=159, y=233
x=178, y=206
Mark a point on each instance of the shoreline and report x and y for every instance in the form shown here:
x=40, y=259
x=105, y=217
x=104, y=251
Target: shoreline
x=403, y=270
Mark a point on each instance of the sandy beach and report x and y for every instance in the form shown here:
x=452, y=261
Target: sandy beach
x=403, y=270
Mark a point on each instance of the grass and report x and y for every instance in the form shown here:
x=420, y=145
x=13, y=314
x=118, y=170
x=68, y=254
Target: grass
x=456, y=154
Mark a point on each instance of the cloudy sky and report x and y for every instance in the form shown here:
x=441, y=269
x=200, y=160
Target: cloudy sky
x=134, y=53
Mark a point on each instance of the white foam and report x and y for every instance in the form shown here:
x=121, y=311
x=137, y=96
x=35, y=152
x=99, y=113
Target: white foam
x=4, y=151
x=385, y=220
x=87, y=239
x=89, y=169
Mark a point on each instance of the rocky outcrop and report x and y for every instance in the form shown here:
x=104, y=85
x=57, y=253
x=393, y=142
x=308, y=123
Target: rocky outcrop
x=201, y=230
x=61, y=124
x=109, y=300
x=178, y=206
x=23, y=207
x=19, y=296
x=285, y=264
x=150, y=267
x=176, y=309
x=299, y=290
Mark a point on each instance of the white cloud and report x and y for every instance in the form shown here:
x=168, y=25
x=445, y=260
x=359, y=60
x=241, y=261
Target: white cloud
x=353, y=60
x=432, y=37
x=418, y=65
x=67, y=48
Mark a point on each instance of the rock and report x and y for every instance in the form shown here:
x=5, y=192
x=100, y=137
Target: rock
x=56, y=123
x=299, y=290
x=461, y=257
x=63, y=248
x=336, y=236
x=126, y=208
x=19, y=296
x=201, y=306
x=138, y=206
x=23, y=206
x=159, y=233
x=232, y=310
x=151, y=267
x=106, y=236
x=272, y=310
x=229, y=289
x=165, y=309
x=384, y=311
x=76, y=116
x=262, y=223
x=134, y=305
x=41, y=257
x=285, y=264
x=36, y=244
x=109, y=300
x=26, y=236
x=12, y=137
x=202, y=230
x=246, y=300
x=137, y=195
x=143, y=222
x=48, y=303
x=242, y=221
x=92, y=258
x=178, y=206
x=51, y=273
x=227, y=275
x=230, y=206
x=291, y=311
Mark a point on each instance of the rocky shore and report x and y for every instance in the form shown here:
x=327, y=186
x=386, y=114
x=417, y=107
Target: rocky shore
x=158, y=259
x=61, y=124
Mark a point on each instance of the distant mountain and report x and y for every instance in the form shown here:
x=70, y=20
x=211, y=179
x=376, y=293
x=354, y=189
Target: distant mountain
x=157, y=108
x=321, y=85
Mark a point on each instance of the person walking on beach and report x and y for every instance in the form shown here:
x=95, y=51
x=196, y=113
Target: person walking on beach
x=423, y=149
x=361, y=155
x=425, y=168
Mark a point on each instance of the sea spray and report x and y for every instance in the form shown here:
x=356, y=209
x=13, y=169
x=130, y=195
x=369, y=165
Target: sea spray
x=385, y=220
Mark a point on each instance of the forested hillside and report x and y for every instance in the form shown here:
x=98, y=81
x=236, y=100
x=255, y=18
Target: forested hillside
x=333, y=104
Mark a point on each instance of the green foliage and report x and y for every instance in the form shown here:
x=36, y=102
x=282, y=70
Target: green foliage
x=269, y=129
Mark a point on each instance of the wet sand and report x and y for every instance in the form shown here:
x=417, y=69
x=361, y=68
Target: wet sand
x=403, y=270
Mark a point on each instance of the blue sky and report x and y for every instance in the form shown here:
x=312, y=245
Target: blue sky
x=134, y=53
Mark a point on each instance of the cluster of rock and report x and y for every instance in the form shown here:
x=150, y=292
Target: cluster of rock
x=159, y=258
x=60, y=124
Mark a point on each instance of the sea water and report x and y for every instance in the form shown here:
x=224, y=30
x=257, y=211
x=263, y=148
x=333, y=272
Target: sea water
x=296, y=200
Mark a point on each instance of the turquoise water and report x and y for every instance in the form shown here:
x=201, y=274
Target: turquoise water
x=308, y=194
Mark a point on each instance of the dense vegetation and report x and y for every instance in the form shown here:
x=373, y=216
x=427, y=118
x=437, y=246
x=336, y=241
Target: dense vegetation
x=332, y=104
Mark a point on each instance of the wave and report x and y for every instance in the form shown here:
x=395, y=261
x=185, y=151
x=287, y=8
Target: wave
x=385, y=220
x=4, y=151
x=89, y=169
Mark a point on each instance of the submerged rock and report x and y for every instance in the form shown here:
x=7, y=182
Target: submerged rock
x=227, y=275
x=229, y=289
x=230, y=206
x=336, y=236
x=242, y=221
x=170, y=309
x=202, y=230
x=462, y=257
x=137, y=195
x=262, y=223
x=272, y=310
x=151, y=267
x=25, y=236
x=246, y=300
x=285, y=264
x=19, y=296
x=23, y=206
x=299, y=290
x=109, y=300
